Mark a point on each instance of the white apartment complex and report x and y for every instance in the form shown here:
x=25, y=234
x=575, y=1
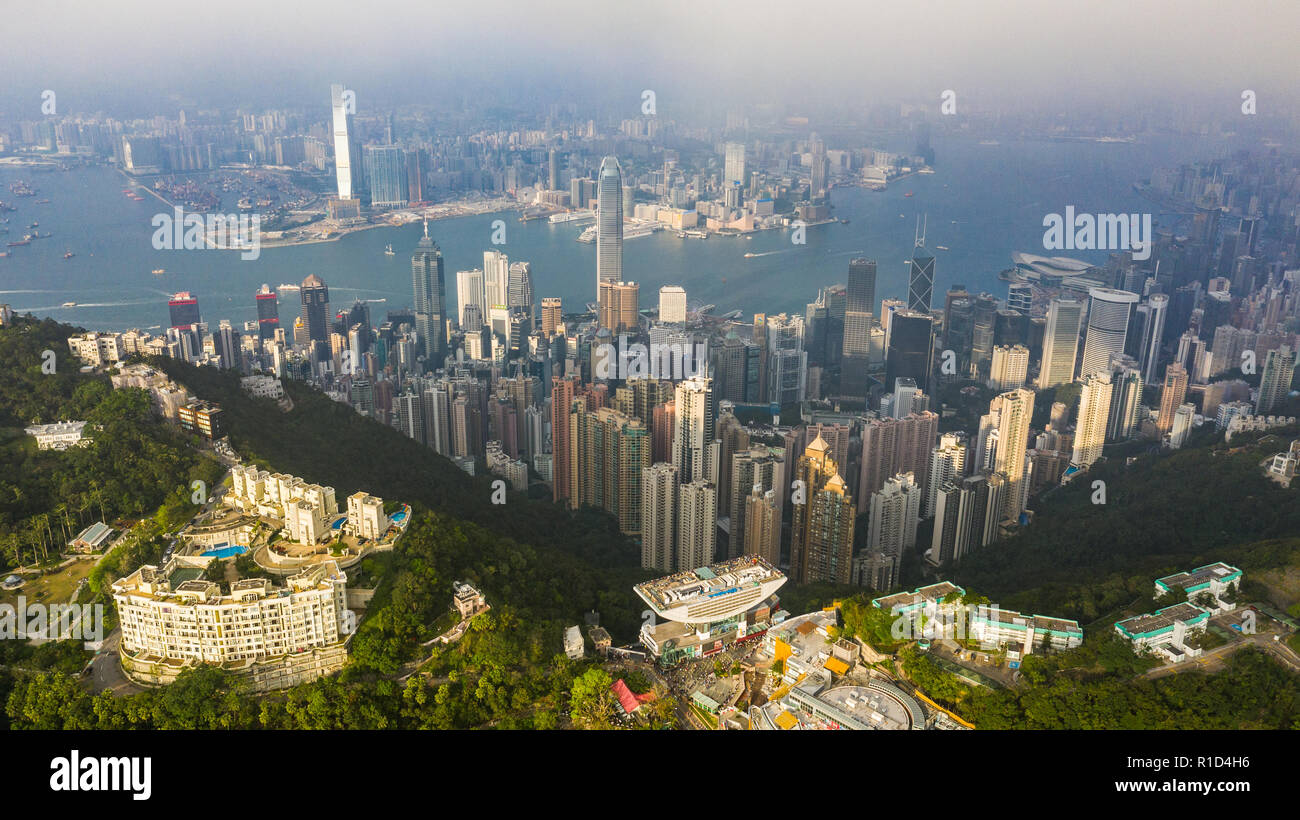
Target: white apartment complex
x=306, y=509
x=167, y=617
x=366, y=518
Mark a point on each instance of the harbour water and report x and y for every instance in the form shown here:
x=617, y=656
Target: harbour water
x=983, y=203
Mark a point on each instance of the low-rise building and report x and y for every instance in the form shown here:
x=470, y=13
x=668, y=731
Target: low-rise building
x=262, y=387
x=98, y=349
x=1166, y=631
x=1218, y=580
x=204, y=418
x=467, y=600
x=59, y=436
x=573, y=645
x=1019, y=634
x=92, y=539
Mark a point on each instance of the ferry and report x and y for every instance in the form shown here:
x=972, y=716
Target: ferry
x=388, y=250
x=750, y=255
x=69, y=304
x=68, y=255
x=159, y=271
x=20, y=242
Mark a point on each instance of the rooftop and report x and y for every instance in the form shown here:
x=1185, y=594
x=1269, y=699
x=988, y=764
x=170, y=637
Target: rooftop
x=682, y=588
x=1160, y=620
x=1198, y=577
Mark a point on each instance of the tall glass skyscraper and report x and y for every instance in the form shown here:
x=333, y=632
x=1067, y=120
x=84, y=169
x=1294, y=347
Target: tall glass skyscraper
x=268, y=312
x=1108, y=313
x=861, y=294
x=430, y=314
x=342, y=150
x=386, y=169
x=316, y=316
x=920, y=288
x=609, y=223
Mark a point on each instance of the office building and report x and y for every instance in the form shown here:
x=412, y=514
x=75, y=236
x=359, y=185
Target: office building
x=609, y=224
x=184, y=309
x=552, y=316
x=430, y=300
x=342, y=148
x=672, y=304
x=911, y=347
x=1060, y=342
x=1108, y=318
x=386, y=173
x=268, y=313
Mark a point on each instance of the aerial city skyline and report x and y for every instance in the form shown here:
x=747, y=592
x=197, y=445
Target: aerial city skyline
x=963, y=395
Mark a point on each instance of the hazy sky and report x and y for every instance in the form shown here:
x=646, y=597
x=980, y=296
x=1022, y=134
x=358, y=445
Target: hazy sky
x=1048, y=53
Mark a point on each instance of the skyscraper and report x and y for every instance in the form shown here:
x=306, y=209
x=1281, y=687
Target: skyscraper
x=1275, y=380
x=911, y=348
x=430, y=299
x=1171, y=397
x=386, y=170
x=552, y=315
x=1108, y=312
x=342, y=150
x=1153, y=335
x=268, y=313
x=1010, y=368
x=1125, y=398
x=659, y=517
x=609, y=223
x=183, y=308
x=947, y=463
x=672, y=304
x=697, y=524
x=762, y=535
x=1094, y=413
x=562, y=396
x=693, y=438
x=895, y=512
x=861, y=298
x=316, y=315
x=758, y=468
x=734, y=167
x=1015, y=408
x=821, y=539
x=1060, y=342
x=920, y=287
x=471, y=307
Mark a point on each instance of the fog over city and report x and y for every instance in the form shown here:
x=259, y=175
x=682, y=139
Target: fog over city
x=1064, y=56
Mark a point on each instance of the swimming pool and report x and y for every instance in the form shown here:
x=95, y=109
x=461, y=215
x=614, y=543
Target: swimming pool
x=226, y=552
x=399, y=517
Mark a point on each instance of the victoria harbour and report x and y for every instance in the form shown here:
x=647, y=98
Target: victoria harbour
x=984, y=202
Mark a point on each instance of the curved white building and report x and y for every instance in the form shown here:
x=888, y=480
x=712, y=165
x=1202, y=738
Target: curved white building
x=714, y=593
x=1108, y=314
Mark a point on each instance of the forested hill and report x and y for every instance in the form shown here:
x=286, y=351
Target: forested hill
x=1164, y=512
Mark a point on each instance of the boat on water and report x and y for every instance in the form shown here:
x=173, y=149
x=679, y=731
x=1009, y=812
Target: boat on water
x=20, y=242
x=388, y=250
x=68, y=255
x=750, y=255
x=69, y=304
x=159, y=271
x=909, y=193
x=941, y=247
